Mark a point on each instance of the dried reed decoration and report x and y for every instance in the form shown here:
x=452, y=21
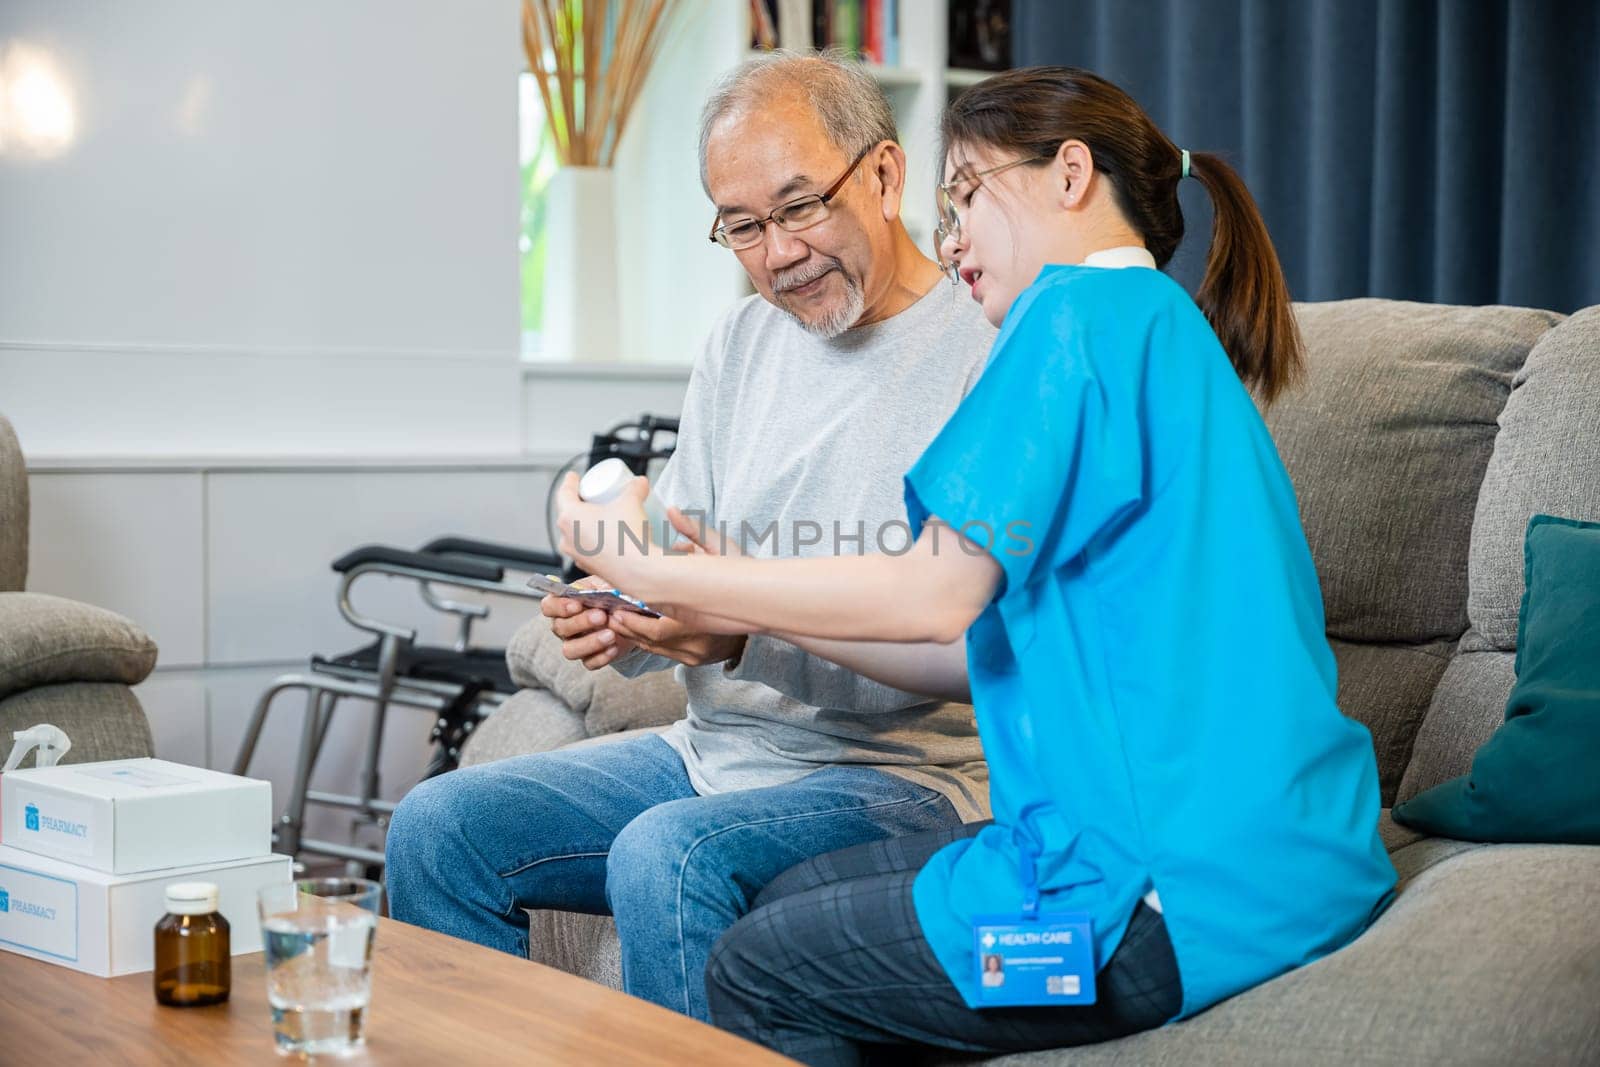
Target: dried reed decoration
x=590, y=59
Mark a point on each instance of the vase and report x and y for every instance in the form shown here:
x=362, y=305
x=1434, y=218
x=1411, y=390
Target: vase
x=581, y=318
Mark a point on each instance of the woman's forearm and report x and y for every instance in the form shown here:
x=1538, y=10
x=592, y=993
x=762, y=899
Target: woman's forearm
x=929, y=668
x=931, y=593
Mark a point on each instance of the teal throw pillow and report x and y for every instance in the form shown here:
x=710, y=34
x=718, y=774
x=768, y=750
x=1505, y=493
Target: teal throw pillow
x=1538, y=777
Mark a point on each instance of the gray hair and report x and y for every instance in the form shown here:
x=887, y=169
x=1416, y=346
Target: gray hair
x=846, y=98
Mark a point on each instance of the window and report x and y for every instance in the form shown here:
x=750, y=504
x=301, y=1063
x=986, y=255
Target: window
x=536, y=154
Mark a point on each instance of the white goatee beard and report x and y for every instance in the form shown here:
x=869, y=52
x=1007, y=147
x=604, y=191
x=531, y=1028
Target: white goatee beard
x=833, y=321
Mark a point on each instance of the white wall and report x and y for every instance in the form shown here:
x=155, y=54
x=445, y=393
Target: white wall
x=275, y=228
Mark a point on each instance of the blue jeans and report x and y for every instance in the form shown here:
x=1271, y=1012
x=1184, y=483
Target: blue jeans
x=617, y=829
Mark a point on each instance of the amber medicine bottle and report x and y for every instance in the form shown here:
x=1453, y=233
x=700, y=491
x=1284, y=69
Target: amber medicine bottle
x=192, y=952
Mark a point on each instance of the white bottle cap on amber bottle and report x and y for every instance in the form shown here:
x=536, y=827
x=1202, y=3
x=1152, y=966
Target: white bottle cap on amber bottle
x=192, y=898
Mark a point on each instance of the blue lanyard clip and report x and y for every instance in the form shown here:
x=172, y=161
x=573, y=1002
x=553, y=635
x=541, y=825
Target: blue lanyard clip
x=1029, y=869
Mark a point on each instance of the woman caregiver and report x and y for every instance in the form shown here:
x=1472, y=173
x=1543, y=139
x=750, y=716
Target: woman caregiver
x=1180, y=810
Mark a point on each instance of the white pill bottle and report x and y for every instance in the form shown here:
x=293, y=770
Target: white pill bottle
x=606, y=480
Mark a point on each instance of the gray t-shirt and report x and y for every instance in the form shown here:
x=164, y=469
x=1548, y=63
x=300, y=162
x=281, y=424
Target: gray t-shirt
x=793, y=443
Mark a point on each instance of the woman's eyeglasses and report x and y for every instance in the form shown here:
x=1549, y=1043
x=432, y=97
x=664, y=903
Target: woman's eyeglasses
x=950, y=222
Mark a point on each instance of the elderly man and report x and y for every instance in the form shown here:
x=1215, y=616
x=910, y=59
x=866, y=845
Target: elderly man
x=810, y=401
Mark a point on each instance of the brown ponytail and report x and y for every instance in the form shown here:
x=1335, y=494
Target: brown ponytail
x=1243, y=294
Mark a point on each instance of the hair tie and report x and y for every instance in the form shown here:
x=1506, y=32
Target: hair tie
x=1185, y=173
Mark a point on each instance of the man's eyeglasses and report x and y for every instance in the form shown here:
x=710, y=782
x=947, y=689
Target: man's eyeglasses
x=950, y=222
x=797, y=214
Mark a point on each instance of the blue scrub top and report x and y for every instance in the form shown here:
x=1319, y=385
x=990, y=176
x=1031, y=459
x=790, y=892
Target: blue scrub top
x=1153, y=686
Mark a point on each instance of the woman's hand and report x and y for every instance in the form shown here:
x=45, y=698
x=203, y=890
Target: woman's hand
x=696, y=539
x=686, y=634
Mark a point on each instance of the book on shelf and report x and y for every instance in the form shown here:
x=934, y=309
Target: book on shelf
x=866, y=29
x=979, y=31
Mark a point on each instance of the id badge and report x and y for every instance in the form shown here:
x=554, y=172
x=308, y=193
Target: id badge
x=1034, y=962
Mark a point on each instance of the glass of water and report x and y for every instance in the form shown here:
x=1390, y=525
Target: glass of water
x=318, y=935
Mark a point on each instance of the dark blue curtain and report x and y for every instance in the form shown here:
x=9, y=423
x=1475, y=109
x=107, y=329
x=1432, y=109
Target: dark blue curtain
x=1439, y=150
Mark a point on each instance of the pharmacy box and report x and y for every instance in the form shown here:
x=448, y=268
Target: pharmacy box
x=132, y=815
x=104, y=924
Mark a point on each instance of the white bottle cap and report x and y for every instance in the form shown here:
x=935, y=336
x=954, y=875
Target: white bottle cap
x=604, y=481
x=192, y=898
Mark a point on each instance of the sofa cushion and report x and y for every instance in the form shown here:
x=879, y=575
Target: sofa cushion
x=608, y=701
x=532, y=720
x=1534, y=780
x=1386, y=687
x=534, y=656
x=47, y=639
x=584, y=945
x=1417, y=855
x=642, y=703
x=1393, y=835
x=1467, y=708
x=1545, y=459
x=1386, y=443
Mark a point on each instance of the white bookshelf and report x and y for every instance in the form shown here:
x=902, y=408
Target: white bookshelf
x=959, y=77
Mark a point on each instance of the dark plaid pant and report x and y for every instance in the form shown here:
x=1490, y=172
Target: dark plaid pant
x=830, y=967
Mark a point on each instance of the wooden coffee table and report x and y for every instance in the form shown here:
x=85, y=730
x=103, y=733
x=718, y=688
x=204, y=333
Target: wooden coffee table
x=435, y=1001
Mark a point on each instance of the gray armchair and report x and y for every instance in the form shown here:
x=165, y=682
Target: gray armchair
x=63, y=662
